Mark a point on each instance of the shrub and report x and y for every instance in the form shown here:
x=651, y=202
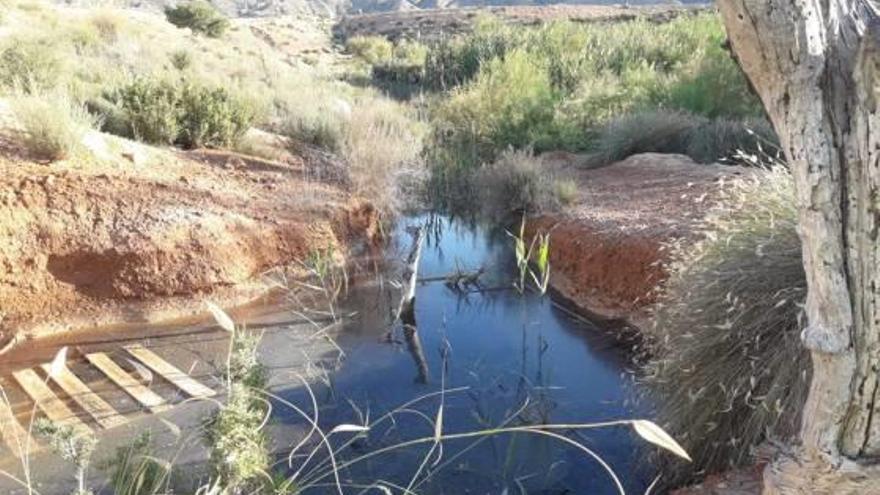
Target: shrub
x=511, y=103
x=152, y=108
x=189, y=114
x=200, y=16
x=649, y=131
x=30, y=65
x=323, y=129
x=372, y=49
x=236, y=438
x=53, y=125
x=181, y=59
x=457, y=60
x=516, y=182
x=724, y=138
x=136, y=470
x=728, y=366
x=664, y=131
x=382, y=145
x=714, y=87
x=212, y=117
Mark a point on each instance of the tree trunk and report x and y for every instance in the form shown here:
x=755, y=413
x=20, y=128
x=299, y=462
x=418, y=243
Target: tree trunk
x=813, y=64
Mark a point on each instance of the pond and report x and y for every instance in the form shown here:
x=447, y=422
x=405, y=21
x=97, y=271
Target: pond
x=504, y=358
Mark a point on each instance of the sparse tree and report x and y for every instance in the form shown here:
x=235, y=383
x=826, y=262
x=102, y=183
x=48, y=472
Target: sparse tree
x=815, y=66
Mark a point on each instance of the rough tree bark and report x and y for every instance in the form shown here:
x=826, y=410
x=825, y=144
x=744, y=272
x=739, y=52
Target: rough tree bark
x=813, y=63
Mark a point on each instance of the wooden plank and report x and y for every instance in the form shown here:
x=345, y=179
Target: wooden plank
x=97, y=407
x=146, y=397
x=54, y=408
x=180, y=379
x=13, y=433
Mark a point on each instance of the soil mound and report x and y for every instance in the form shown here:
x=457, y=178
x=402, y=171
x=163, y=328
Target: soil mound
x=607, y=247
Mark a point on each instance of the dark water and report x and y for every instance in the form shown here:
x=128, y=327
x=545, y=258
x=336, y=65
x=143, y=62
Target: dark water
x=514, y=353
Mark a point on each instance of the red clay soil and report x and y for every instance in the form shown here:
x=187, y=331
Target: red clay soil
x=94, y=241
x=607, y=247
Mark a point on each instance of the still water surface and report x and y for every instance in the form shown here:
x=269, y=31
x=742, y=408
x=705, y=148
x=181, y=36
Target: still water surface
x=521, y=358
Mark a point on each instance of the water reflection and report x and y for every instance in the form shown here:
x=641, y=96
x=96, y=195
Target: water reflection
x=491, y=357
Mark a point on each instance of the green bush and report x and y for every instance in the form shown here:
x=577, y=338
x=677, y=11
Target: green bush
x=53, y=125
x=188, y=114
x=200, y=16
x=212, y=117
x=562, y=85
x=727, y=365
x=152, y=109
x=30, y=65
x=511, y=103
x=372, y=49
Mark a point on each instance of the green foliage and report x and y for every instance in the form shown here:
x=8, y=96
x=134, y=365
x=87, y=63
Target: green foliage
x=181, y=59
x=511, y=103
x=406, y=64
x=236, y=438
x=212, y=117
x=557, y=85
x=373, y=50
x=53, y=124
x=322, y=129
x=727, y=367
x=30, y=65
x=185, y=113
x=72, y=446
x=136, y=470
x=457, y=60
x=200, y=16
x=152, y=109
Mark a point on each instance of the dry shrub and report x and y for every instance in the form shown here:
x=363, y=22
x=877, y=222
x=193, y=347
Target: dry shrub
x=728, y=368
x=53, y=125
x=517, y=181
x=382, y=145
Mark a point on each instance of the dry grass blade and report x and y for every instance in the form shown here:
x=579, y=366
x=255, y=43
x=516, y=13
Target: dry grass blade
x=656, y=435
x=221, y=317
x=59, y=363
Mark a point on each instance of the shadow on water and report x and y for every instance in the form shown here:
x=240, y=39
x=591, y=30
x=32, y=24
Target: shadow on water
x=508, y=357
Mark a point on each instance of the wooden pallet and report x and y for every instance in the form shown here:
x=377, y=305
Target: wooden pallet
x=169, y=372
x=54, y=408
x=91, y=403
x=143, y=395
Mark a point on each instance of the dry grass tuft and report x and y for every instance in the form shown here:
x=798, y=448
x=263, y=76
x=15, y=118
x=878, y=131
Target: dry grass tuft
x=52, y=125
x=728, y=369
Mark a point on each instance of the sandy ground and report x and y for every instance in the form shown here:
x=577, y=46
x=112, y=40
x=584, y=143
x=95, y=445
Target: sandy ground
x=607, y=246
x=131, y=233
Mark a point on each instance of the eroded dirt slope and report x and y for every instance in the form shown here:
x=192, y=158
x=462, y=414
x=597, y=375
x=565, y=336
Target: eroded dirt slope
x=607, y=247
x=132, y=233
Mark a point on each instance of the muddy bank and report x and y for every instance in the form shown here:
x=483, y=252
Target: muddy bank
x=607, y=247
x=131, y=233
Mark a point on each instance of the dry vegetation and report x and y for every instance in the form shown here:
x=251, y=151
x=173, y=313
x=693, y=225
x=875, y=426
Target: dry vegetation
x=728, y=370
x=143, y=78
